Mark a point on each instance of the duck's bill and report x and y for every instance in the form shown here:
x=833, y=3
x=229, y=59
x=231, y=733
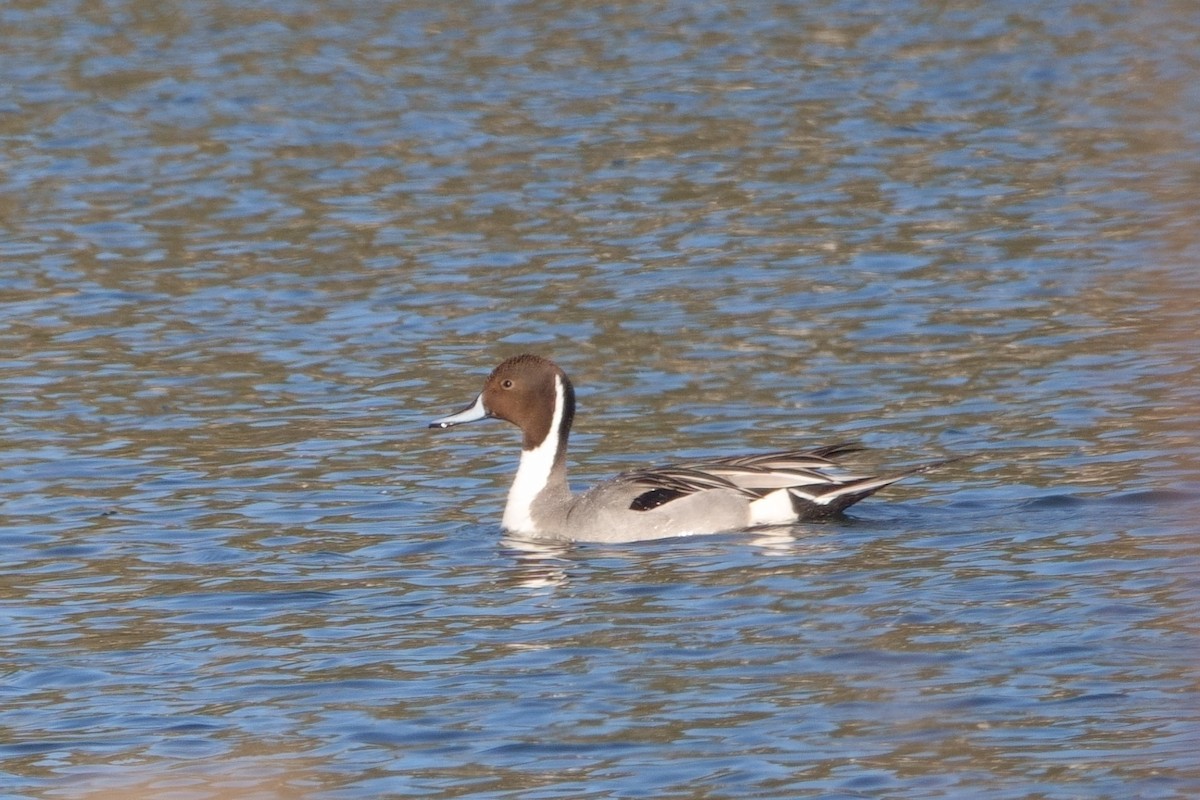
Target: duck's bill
x=471, y=413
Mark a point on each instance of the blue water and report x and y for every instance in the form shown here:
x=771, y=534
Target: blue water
x=249, y=252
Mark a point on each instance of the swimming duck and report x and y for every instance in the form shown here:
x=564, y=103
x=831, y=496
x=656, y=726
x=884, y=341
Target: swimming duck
x=713, y=495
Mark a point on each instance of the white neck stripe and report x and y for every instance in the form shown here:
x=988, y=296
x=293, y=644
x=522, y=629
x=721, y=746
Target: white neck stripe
x=533, y=473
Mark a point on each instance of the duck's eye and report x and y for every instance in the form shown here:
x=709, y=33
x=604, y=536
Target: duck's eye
x=507, y=383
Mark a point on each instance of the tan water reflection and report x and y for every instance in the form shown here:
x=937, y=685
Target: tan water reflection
x=256, y=773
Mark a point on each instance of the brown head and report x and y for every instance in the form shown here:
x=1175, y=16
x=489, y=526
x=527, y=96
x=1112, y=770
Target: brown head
x=523, y=390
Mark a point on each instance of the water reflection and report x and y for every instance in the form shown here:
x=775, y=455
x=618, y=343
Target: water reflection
x=780, y=541
x=540, y=563
x=256, y=772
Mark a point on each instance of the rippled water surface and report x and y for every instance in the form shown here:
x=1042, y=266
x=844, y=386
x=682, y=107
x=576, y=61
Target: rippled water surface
x=247, y=251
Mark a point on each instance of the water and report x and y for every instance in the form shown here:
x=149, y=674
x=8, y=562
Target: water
x=249, y=251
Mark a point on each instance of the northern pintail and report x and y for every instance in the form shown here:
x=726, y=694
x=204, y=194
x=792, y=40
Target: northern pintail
x=696, y=497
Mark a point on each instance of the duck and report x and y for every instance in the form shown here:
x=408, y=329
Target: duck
x=707, y=496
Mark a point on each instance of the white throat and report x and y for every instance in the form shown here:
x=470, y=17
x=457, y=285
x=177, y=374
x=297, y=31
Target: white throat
x=533, y=473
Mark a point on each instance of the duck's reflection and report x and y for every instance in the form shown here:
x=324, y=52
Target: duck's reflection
x=775, y=540
x=545, y=563
x=540, y=563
